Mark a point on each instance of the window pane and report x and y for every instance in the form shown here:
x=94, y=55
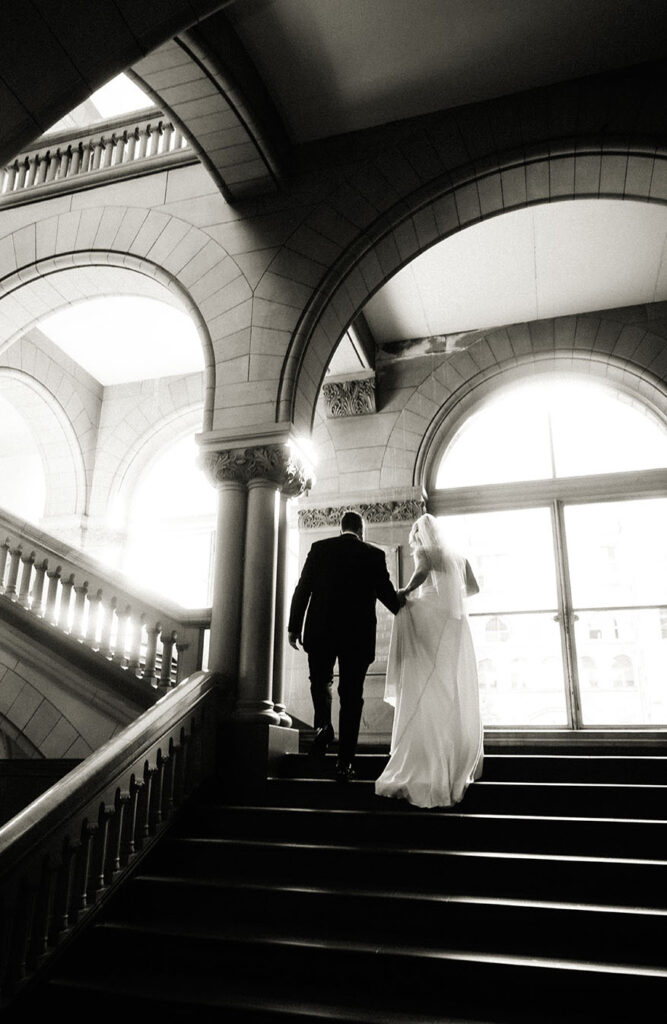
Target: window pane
x=493, y=446
x=512, y=556
x=618, y=553
x=597, y=430
x=556, y=425
x=520, y=670
x=622, y=658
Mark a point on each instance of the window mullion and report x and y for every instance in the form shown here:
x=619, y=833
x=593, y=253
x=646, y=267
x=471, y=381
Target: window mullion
x=566, y=617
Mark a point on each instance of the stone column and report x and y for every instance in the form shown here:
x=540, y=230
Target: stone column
x=281, y=615
x=224, y=646
x=243, y=626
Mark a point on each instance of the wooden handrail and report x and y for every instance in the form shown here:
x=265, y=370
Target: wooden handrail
x=139, y=631
x=65, y=852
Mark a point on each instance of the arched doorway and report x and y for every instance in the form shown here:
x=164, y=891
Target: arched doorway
x=556, y=488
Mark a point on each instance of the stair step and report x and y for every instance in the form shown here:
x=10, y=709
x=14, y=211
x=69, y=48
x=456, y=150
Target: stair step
x=568, y=799
x=517, y=927
x=598, y=837
x=507, y=768
x=362, y=975
x=485, y=873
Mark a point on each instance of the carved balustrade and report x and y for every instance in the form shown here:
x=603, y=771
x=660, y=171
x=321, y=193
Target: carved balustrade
x=139, y=632
x=64, y=852
x=74, y=159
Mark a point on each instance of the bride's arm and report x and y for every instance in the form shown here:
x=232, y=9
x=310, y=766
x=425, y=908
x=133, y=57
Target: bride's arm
x=420, y=573
x=472, y=586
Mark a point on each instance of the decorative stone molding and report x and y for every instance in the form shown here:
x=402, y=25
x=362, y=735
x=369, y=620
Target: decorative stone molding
x=277, y=463
x=377, y=512
x=349, y=397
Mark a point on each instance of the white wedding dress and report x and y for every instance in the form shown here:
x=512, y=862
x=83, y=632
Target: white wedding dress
x=437, y=737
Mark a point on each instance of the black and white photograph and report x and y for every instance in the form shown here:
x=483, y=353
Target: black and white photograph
x=333, y=511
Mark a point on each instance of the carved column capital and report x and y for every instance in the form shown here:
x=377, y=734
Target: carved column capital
x=277, y=463
x=349, y=397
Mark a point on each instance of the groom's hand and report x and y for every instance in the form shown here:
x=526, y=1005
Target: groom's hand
x=294, y=640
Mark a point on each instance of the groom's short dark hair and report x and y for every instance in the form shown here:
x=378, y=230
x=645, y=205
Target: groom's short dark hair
x=352, y=521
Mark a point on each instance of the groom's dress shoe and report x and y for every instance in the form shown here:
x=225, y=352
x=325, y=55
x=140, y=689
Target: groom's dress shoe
x=323, y=737
x=344, y=771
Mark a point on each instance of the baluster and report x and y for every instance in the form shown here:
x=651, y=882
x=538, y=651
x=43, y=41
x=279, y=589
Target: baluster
x=177, y=140
x=65, y=888
x=152, y=634
x=66, y=162
x=53, y=163
x=26, y=573
x=4, y=551
x=82, y=875
x=121, y=151
x=144, y=143
x=167, y=137
x=187, y=660
x=52, y=593
x=106, y=631
x=134, y=634
x=130, y=845
x=77, y=160
x=159, y=790
x=116, y=839
x=123, y=619
x=168, y=641
x=14, y=564
x=37, y=595
x=24, y=173
x=145, y=817
x=42, y=168
x=160, y=141
x=88, y=157
x=98, y=879
x=78, y=622
x=133, y=138
x=66, y=587
x=43, y=923
x=97, y=154
x=94, y=601
x=11, y=179
x=170, y=780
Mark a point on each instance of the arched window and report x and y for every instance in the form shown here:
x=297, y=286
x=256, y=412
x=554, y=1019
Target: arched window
x=556, y=490
x=171, y=526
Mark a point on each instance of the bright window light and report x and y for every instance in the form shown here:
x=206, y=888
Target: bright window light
x=119, y=96
x=553, y=427
x=126, y=338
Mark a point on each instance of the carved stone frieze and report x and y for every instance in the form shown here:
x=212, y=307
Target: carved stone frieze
x=349, y=397
x=276, y=463
x=376, y=512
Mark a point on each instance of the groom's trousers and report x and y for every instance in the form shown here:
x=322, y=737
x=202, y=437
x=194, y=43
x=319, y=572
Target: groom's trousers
x=351, y=674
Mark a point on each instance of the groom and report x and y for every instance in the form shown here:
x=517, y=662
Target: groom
x=339, y=583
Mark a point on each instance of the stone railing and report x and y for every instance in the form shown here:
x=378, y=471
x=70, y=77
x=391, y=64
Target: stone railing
x=157, y=642
x=75, y=159
x=65, y=852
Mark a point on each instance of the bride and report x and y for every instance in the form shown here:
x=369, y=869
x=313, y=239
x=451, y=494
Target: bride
x=437, y=739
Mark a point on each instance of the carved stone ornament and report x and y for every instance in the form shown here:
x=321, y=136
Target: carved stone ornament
x=269, y=462
x=349, y=397
x=378, y=512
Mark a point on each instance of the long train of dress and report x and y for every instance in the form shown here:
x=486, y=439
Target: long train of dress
x=437, y=736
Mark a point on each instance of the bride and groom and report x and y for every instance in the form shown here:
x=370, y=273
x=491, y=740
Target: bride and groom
x=437, y=739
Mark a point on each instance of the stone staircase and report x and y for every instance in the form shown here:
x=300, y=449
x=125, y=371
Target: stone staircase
x=542, y=897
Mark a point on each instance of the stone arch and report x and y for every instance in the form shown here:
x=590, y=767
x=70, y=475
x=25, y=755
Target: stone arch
x=437, y=209
x=205, y=280
x=598, y=344
x=56, y=439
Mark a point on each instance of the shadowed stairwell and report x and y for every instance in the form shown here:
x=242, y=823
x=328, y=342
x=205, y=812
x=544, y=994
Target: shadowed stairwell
x=541, y=897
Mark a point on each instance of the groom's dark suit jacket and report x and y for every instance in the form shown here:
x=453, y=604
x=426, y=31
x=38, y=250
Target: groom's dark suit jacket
x=339, y=583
